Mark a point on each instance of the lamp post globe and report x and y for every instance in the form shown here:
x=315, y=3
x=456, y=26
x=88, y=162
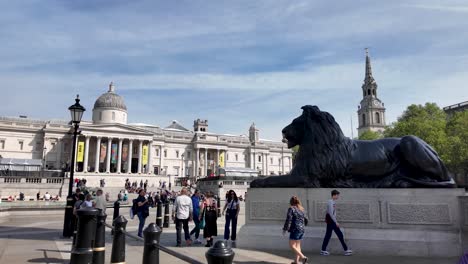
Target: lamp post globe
x=76, y=111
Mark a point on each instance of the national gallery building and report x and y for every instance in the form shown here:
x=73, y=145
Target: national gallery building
x=109, y=148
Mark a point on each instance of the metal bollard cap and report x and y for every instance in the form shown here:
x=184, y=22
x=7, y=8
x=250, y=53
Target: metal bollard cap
x=152, y=228
x=120, y=220
x=87, y=211
x=220, y=249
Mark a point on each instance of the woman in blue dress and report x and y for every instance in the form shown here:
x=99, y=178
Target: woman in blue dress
x=295, y=225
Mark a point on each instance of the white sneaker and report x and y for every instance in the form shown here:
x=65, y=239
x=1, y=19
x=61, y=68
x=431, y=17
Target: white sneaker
x=348, y=252
x=324, y=253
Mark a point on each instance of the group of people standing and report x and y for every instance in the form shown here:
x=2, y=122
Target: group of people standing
x=295, y=223
x=203, y=210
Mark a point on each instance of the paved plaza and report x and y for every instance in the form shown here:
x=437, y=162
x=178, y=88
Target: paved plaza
x=37, y=239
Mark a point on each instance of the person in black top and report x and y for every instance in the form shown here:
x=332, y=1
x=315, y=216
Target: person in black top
x=142, y=211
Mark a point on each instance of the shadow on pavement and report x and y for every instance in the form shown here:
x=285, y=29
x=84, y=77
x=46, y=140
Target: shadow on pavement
x=46, y=258
x=33, y=233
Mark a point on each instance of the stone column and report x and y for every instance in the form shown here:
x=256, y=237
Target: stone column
x=140, y=148
x=149, y=164
x=225, y=158
x=98, y=154
x=59, y=147
x=206, y=163
x=160, y=159
x=119, y=157
x=130, y=154
x=197, y=163
x=266, y=162
x=217, y=158
x=109, y=143
x=86, y=154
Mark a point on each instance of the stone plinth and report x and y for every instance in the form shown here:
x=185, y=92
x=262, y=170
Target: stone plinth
x=398, y=222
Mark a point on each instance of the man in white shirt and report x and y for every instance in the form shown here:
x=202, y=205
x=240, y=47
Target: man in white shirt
x=47, y=196
x=182, y=213
x=100, y=202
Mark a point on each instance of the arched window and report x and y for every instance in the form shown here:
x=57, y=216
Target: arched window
x=368, y=91
x=113, y=116
x=100, y=115
x=363, y=119
x=377, y=118
x=364, y=93
x=373, y=91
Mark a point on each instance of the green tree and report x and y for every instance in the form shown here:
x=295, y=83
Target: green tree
x=457, y=131
x=370, y=135
x=427, y=122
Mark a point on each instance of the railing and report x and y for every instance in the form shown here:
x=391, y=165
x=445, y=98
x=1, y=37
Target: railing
x=36, y=174
x=34, y=180
x=89, y=242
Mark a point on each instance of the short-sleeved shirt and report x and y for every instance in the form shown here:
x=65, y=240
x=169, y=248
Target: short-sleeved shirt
x=141, y=199
x=100, y=203
x=232, y=205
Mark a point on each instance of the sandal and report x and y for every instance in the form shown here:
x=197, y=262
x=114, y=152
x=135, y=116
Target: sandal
x=304, y=260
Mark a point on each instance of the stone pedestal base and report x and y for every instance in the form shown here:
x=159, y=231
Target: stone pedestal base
x=394, y=222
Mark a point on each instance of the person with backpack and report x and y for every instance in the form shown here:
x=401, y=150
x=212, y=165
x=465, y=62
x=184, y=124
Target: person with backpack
x=142, y=210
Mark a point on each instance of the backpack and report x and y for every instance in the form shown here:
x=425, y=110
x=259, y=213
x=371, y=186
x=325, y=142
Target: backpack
x=134, y=207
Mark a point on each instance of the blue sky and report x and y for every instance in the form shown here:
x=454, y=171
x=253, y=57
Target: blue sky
x=231, y=62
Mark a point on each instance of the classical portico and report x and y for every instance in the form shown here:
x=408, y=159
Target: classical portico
x=116, y=154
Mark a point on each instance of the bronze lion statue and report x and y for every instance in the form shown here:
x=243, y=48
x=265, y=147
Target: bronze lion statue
x=326, y=158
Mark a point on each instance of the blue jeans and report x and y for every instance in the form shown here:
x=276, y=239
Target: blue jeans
x=141, y=224
x=196, y=229
x=231, y=216
x=332, y=227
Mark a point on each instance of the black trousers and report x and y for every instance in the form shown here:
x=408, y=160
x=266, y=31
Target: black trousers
x=179, y=223
x=332, y=227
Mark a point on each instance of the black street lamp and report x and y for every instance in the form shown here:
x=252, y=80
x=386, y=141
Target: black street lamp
x=76, y=111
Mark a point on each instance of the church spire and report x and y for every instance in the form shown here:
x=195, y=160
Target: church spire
x=368, y=78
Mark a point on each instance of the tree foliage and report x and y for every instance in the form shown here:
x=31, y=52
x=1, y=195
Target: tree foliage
x=370, y=135
x=448, y=135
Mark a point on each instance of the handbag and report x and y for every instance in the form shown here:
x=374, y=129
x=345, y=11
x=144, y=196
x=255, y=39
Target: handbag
x=201, y=225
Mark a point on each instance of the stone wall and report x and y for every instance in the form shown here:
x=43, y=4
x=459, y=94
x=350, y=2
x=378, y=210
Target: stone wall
x=419, y=222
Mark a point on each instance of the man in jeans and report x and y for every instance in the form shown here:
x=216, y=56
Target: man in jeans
x=182, y=213
x=332, y=225
x=196, y=215
x=142, y=211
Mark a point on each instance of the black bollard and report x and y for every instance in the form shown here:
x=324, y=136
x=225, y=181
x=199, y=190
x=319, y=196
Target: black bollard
x=82, y=253
x=118, y=244
x=116, y=209
x=220, y=253
x=99, y=249
x=68, y=221
x=116, y=213
x=75, y=229
x=166, y=215
x=159, y=218
x=151, y=252
x=218, y=200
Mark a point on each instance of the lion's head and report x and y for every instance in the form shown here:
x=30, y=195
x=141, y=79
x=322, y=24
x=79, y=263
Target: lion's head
x=312, y=127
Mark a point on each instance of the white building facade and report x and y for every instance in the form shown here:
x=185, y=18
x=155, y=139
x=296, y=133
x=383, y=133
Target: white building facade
x=109, y=148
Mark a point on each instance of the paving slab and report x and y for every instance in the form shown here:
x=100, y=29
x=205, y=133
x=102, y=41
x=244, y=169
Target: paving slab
x=38, y=239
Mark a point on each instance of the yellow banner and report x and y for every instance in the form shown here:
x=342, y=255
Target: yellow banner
x=144, y=155
x=221, y=160
x=80, y=155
